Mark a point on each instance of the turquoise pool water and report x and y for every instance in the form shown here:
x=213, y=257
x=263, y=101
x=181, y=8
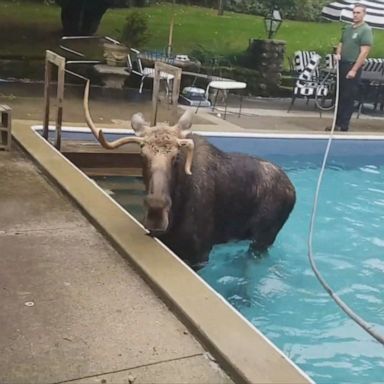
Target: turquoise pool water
x=279, y=293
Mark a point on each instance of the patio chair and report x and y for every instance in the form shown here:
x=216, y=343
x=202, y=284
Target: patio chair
x=371, y=87
x=299, y=62
x=301, y=59
x=135, y=66
x=312, y=83
x=330, y=61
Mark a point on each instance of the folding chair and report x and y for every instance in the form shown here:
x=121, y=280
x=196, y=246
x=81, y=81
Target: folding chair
x=135, y=66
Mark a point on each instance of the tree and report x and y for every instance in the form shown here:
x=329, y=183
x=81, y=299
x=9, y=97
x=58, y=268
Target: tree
x=82, y=17
x=220, y=8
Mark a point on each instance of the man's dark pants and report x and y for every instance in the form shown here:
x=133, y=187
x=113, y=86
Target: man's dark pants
x=348, y=89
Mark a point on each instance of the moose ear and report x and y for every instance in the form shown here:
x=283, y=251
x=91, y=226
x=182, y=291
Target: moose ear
x=139, y=124
x=185, y=123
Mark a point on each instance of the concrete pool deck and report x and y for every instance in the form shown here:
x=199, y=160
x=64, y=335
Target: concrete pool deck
x=73, y=310
x=77, y=311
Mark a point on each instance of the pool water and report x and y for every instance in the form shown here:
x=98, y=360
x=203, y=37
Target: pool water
x=279, y=293
x=128, y=191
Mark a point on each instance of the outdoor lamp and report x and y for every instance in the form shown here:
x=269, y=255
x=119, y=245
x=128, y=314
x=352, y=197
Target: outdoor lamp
x=272, y=22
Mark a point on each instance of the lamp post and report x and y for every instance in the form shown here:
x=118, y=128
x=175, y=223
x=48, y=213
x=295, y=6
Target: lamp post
x=272, y=22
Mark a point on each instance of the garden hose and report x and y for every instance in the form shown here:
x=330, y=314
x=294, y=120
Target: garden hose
x=360, y=321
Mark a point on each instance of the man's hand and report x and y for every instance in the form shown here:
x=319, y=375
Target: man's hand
x=351, y=74
x=364, y=50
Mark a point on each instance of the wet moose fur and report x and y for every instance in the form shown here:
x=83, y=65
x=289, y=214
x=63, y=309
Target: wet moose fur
x=228, y=197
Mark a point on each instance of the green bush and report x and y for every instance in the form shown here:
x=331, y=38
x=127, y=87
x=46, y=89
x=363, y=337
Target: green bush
x=135, y=29
x=304, y=10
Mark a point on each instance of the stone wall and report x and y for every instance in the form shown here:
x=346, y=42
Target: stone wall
x=22, y=69
x=267, y=58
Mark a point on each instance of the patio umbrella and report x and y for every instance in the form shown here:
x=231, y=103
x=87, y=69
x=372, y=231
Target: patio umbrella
x=342, y=10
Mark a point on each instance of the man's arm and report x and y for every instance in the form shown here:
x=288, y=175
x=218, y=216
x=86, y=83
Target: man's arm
x=364, y=50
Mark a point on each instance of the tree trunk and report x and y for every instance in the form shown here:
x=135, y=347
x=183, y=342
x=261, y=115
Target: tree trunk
x=220, y=9
x=82, y=17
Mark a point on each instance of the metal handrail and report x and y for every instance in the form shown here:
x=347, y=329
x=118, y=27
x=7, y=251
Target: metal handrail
x=74, y=52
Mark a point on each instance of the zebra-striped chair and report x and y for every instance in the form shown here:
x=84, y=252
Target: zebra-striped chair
x=373, y=70
x=316, y=81
x=308, y=84
x=301, y=59
x=371, y=89
x=330, y=61
x=299, y=62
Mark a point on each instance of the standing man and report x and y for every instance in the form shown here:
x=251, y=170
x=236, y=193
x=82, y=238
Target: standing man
x=355, y=44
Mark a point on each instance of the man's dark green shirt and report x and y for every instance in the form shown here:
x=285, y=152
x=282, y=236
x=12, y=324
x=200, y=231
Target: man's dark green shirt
x=352, y=39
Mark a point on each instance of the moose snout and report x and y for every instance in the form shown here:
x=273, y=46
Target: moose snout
x=155, y=202
x=156, y=217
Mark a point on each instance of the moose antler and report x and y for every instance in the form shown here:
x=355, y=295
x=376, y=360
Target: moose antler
x=99, y=133
x=190, y=146
x=139, y=125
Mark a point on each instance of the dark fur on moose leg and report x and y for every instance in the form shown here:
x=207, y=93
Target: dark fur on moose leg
x=199, y=196
x=227, y=197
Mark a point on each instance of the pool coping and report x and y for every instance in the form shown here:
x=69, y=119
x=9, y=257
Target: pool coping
x=245, y=353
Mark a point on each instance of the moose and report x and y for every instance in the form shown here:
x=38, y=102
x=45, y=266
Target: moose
x=198, y=196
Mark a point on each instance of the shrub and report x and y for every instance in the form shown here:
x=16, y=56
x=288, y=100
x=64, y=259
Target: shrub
x=135, y=30
x=305, y=10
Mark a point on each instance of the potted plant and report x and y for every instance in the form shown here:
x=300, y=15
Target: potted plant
x=115, y=54
x=133, y=34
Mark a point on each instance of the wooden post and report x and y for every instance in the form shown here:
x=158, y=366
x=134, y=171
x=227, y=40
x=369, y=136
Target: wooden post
x=170, y=37
x=60, y=99
x=47, y=81
x=176, y=72
x=5, y=127
x=53, y=59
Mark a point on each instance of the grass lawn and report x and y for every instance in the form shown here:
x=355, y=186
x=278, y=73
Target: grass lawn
x=28, y=29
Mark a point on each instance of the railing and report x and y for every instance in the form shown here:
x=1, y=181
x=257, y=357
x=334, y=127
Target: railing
x=53, y=60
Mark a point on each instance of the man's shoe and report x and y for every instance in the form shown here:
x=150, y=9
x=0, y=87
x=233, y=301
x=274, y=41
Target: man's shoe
x=337, y=128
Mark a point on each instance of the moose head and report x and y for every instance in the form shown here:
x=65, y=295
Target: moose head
x=160, y=147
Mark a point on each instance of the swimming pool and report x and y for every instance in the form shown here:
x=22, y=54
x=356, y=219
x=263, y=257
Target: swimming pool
x=279, y=293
